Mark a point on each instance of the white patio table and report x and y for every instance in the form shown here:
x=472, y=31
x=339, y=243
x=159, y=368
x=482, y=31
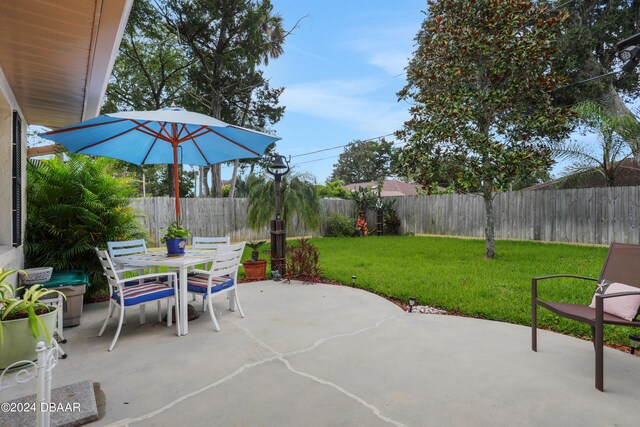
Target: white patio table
x=160, y=259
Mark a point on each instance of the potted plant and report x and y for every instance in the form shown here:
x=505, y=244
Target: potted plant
x=176, y=239
x=23, y=321
x=255, y=269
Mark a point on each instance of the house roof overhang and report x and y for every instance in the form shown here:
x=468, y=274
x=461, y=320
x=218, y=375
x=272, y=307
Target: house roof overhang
x=57, y=56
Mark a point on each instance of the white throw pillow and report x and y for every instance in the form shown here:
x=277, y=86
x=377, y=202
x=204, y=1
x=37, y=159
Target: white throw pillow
x=625, y=307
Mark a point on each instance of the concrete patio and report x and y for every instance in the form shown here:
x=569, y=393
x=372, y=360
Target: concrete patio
x=319, y=355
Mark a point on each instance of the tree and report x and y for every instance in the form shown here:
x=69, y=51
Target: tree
x=363, y=161
x=227, y=40
x=613, y=147
x=152, y=180
x=480, y=85
x=334, y=189
x=588, y=49
x=538, y=177
x=149, y=74
x=299, y=198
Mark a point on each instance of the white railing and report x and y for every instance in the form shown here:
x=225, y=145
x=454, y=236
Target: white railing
x=24, y=371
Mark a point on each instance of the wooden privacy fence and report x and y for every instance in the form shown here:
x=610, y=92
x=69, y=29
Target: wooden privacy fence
x=221, y=217
x=587, y=215
x=591, y=215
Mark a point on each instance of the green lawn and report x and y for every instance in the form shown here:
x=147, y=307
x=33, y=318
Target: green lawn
x=452, y=274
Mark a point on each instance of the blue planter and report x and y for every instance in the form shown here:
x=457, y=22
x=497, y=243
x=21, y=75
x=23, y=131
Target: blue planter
x=176, y=246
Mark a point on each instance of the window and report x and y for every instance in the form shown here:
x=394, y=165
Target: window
x=17, y=179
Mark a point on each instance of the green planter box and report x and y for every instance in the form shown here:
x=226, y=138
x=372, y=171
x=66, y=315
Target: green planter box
x=73, y=284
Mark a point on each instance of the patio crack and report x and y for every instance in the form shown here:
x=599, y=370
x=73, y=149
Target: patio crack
x=276, y=356
x=127, y=421
x=282, y=357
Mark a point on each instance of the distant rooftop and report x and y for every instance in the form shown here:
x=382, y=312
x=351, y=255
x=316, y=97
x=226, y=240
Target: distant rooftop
x=627, y=174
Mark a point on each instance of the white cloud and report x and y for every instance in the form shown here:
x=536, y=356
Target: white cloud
x=386, y=48
x=348, y=102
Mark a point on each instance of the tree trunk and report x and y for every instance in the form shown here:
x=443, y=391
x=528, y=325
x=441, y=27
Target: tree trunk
x=216, y=181
x=489, y=227
x=144, y=184
x=611, y=101
x=234, y=178
x=172, y=191
x=236, y=162
x=205, y=179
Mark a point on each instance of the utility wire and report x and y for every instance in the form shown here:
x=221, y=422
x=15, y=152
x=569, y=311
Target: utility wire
x=340, y=146
x=397, y=142
x=590, y=79
x=336, y=155
x=316, y=160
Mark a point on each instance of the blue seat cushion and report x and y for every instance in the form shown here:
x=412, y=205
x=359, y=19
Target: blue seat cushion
x=163, y=279
x=198, y=283
x=139, y=293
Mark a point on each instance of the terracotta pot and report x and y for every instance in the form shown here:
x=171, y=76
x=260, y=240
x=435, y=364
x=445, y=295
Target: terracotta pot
x=255, y=270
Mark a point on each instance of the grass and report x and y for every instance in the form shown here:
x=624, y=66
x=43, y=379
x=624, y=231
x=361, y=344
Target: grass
x=452, y=274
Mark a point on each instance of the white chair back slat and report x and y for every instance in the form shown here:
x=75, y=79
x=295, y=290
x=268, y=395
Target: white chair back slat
x=209, y=242
x=109, y=270
x=227, y=260
x=128, y=247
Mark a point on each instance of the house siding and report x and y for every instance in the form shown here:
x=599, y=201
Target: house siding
x=10, y=257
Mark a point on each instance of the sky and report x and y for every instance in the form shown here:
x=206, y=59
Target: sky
x=341, y=70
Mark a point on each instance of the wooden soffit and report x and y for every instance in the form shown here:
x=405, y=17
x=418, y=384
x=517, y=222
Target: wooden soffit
x=57, y=55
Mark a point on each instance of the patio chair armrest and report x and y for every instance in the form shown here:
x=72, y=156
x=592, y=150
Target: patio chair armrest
x=568, y=276
x=195, y=270
x=617, y=294
x=127, y=269
x=534, y=282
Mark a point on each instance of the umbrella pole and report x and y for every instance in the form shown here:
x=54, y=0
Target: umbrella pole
x=176, y=181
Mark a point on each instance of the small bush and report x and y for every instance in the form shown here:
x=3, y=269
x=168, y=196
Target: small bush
x=340, y=226
x=303, y=263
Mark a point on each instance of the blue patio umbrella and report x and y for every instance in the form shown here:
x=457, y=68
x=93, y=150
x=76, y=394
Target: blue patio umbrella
x=167, y=136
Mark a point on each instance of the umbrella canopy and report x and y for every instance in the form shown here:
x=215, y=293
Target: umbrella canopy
x=167, y=136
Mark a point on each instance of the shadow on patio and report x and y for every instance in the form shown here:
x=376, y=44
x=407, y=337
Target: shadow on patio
x=329, y=355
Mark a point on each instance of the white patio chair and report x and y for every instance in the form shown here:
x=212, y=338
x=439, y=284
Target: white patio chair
x=221, y=278
x=124, y=248
x=208, y=243
x=130, y=296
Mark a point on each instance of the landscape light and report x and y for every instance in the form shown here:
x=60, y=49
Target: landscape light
x=412, y=302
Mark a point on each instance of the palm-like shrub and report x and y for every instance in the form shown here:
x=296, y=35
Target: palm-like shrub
x=299, y=198
x=74, y=206
x=617, y=137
